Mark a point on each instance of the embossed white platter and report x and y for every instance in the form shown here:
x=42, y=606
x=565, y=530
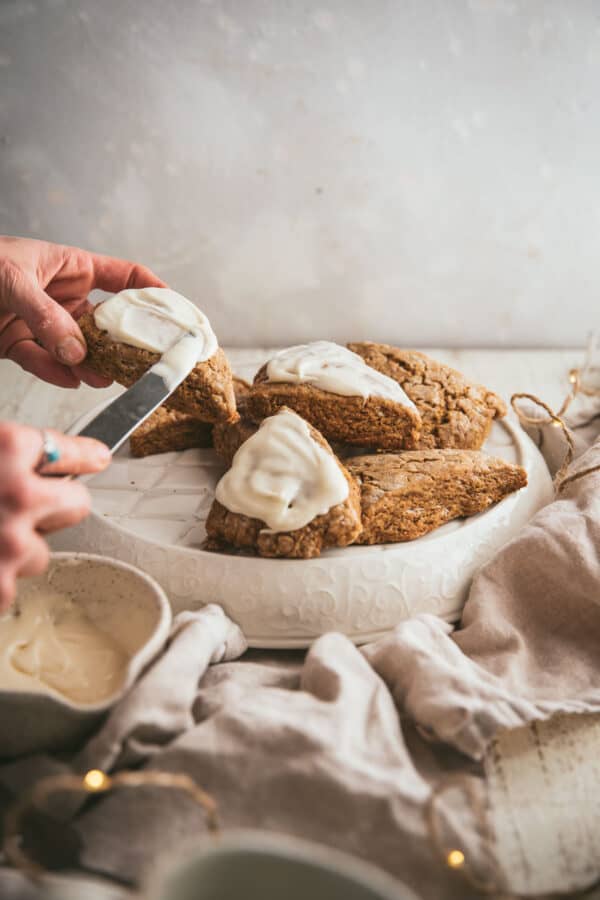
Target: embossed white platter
x=151, y=513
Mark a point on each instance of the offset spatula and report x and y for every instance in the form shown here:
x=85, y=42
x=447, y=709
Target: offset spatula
x=121, y=417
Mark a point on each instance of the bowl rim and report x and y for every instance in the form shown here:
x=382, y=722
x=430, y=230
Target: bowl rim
x=144, y=655
x=282, y=845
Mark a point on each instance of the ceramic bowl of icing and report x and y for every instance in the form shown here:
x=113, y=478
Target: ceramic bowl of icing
x=117, y=599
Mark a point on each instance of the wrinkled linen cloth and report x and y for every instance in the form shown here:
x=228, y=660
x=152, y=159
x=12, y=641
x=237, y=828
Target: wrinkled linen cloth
x=344, y=745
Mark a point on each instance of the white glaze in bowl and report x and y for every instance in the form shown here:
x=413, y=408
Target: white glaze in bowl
x=108, y=589
x=151, y=512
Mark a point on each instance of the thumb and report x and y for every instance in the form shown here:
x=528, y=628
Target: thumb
x=50, y=324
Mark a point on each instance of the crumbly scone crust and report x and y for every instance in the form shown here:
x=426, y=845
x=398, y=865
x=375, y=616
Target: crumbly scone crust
x=407, y=495
x=228, y=437
x=337, y=528
x=368, y=422
x=168, y=429
x=240, y=388
x=207, y=393
x=455, y=412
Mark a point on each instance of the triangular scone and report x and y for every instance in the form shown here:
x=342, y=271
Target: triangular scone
x=207, y=393
x=407, y=495
x=168, y=429
x=228, y=437
x=372, y=421
x=455, y=412
x=339, y=526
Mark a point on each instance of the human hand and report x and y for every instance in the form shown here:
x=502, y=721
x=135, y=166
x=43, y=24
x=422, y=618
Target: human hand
x=43, y=290
x=31, y=505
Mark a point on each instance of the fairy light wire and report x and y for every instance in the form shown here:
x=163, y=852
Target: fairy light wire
x=94, y=781
x=561, y=479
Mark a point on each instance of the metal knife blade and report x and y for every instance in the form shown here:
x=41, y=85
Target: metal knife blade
x=121, y=417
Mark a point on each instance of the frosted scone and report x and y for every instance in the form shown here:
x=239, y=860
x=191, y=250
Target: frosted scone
x=228, y=437
x=455, y=412
x=168, y=429
x=130, y=331
x=334, y=390
x=285, y=494
x=407, y=495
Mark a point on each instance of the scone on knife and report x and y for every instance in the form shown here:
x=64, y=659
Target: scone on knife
x=342, y=397
x=130, y=331
x=407, y=495
x=286, y=494
x=169, y=429
x=455, y=412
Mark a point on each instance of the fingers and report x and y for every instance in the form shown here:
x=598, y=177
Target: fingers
x=22, y=552
x=8, y=587
x=21, y=450
x=36, y=558
x=31, y=504
x=116, y=275
x=17, y=343
x=69, y=510
x=12, y=330
x=52, y=325
x=33, y=358
x=44, y=506
x=81, y=308
x=78, y=456
x=62, y=504
x=91, y=378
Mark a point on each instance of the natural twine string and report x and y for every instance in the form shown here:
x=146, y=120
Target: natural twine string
x=453, y=857
x=93, y=782
x=561, y=479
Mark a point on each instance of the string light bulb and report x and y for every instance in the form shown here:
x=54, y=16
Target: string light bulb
x=455, y=859
x=95, y=780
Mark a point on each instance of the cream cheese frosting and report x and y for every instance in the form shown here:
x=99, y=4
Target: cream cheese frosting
x=282, y=476
x=155, y=319
x=49, y=645
x=335, y=369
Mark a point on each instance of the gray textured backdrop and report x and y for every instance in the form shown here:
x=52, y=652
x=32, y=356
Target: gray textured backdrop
x=426, y=172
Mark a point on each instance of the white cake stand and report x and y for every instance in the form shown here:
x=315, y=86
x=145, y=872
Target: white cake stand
x=151, y=513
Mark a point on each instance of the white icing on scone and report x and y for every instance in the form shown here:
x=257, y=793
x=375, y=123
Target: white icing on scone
x=282, y=476
x=155, y=319
x=335, y=369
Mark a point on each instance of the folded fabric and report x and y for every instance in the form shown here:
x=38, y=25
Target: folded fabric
x=527, y=646
x=159, y=706
x=313, y=749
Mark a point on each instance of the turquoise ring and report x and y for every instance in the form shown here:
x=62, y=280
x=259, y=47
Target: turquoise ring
x=50, y=452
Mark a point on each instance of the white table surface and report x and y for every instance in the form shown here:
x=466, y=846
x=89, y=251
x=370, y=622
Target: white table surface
x=541, y=372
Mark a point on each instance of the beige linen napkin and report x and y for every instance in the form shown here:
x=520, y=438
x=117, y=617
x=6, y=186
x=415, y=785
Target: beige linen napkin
x=528, y=644
x=313, y=749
